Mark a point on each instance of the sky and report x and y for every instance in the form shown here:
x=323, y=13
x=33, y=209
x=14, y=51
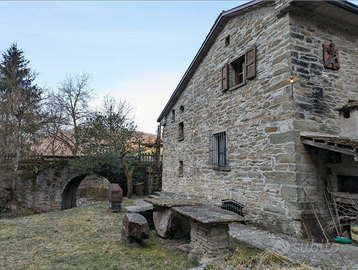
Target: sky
x=137, y=51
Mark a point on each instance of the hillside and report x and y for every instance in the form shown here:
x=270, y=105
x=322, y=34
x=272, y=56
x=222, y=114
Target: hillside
x=45, y=145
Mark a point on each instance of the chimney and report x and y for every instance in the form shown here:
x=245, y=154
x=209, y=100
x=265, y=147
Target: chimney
x=348, y=120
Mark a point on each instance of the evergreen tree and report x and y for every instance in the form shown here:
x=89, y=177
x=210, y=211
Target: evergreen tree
x=20, y=101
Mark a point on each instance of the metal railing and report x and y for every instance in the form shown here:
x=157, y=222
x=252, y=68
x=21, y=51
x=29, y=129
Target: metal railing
x=8, y=158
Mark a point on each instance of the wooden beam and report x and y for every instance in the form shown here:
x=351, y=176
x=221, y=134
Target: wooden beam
x=335, y=148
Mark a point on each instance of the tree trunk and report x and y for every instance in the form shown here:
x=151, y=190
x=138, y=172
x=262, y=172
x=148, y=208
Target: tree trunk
x=128, y=175
x=18, y=147
x=53, y=147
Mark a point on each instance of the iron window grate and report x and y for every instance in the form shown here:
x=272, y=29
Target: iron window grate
x=219, y=157
x=232, y=206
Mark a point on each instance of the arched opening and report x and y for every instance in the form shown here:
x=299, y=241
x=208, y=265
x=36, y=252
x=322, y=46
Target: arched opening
x=76, y=194
x=69, y=195
x=94, y=188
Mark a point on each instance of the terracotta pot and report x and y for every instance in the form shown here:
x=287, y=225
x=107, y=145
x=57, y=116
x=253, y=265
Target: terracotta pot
x=139, y=189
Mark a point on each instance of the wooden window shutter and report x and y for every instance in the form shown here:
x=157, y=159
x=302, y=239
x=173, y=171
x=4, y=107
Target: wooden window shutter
x=331, y=56
x=225, y=77
x=250, y=62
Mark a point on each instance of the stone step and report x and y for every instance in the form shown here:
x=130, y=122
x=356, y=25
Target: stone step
x=156, y=193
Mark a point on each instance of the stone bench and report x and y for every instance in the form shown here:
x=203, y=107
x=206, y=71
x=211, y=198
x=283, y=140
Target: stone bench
x=143, y=208
x=209, y=232
x=135, y=227
x=170, y=224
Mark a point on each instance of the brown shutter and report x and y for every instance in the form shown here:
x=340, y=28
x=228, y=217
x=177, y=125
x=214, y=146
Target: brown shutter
x=225, y=77
x=331, y=56
x=250, y=63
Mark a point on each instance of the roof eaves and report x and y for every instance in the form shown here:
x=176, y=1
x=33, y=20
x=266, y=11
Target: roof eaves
x=210, y=38
x=344, y=5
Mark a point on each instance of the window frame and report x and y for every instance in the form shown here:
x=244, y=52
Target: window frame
x=219, y=151
x=181, y=131
x=239, y=62
x=247, y=64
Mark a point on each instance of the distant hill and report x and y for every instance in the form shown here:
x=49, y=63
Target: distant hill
x=45, y=146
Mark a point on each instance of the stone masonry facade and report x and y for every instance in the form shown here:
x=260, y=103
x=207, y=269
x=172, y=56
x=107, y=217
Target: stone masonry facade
x=268, y=166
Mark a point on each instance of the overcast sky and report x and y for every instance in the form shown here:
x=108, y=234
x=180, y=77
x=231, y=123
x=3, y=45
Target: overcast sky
x=135, y=50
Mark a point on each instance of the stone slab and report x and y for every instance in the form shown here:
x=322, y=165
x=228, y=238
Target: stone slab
x=165, y=202
x=140, y=207
x=208, y=214
x=135, y=225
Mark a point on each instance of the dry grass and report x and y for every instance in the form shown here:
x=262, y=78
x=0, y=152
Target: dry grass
x=81, y=238
x=250, y=258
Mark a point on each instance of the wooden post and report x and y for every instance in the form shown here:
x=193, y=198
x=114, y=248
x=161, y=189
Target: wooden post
x=332, y=197
x=315, y=213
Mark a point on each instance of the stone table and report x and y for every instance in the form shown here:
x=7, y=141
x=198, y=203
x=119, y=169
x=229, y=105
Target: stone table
x=209, y=229
x=167, y=222
x=165, y=202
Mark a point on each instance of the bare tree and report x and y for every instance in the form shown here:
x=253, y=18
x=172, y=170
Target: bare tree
x=55, y=117
x=71, y=104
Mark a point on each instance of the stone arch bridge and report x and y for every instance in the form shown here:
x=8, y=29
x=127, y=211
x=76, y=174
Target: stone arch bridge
x=48, y=185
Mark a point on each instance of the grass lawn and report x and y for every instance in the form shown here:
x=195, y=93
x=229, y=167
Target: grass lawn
x=85, y=237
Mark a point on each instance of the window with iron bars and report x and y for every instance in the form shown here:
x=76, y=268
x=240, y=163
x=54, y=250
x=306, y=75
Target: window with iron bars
x=232, y=206
x=219, y=156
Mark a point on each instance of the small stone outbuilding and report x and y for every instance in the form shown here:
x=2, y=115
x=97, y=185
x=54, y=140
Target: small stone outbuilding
x=257, y=117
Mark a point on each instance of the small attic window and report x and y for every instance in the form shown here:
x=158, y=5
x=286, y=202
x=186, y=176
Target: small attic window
x=347, y=113
x=173, y=116
x=227, y=40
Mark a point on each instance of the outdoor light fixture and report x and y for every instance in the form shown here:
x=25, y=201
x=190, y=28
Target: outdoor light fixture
x=291, y=80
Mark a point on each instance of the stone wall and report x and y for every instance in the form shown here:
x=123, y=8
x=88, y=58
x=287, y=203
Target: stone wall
x=7, y=185
x=268, y=165
x=212, y=240
x=45, y=190
x=319, y=92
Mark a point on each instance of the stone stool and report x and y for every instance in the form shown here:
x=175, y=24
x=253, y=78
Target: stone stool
x=135, y=228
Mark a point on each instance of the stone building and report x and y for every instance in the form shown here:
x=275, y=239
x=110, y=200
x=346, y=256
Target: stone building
x=265, y=116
